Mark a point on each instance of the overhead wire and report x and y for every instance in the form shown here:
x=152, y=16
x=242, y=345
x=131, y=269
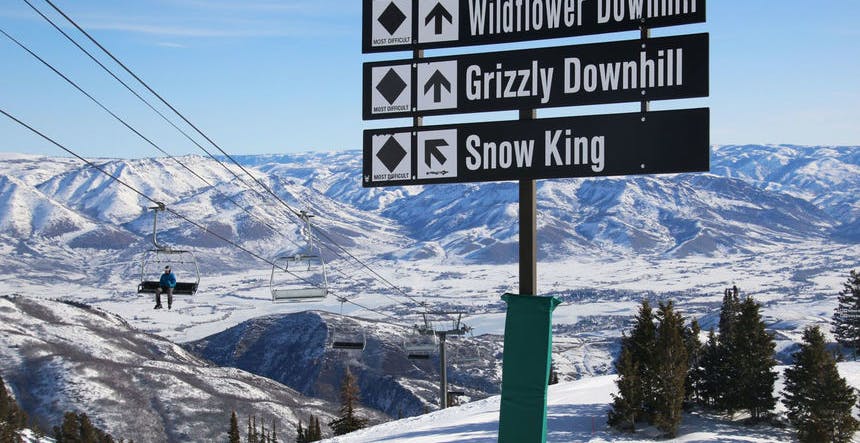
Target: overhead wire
x=228, y=156
x=128, y=70
x=148, y=104
x=131, y=128
x=152, y=200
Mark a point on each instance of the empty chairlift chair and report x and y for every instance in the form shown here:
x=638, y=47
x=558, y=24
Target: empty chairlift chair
x=182, y=263
x=348, y=337
x=302, y=276
x=421, y=344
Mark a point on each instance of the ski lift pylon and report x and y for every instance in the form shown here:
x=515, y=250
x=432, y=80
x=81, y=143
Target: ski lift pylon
x=307, y=279
x=153, y=260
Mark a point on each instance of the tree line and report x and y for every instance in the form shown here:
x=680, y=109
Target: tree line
x=663, y=368
x=346, y=422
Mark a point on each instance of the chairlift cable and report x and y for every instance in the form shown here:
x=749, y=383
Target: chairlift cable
x=148, y=104
x=152, y=200
x=228, y=156
x=160, y=114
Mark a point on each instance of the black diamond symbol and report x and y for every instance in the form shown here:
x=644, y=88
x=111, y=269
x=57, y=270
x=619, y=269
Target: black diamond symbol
x=391, y=18
x=391, y=86
x=391, y=154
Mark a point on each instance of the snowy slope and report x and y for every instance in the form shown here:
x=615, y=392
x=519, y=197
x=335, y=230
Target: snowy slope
x=59, y=357
x=388, y=380
x=576, y=412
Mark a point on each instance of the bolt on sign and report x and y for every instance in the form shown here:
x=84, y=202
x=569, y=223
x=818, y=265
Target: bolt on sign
x=399, y=25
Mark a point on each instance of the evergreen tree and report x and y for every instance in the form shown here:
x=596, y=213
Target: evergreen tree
x=642, y=343
x=252, y=430
x=348, y=420
x=233, y=434
x=626, y=405
x=274, y=432
x=77, y=428
x=301, y=437
x=727, y=371
x=670, y=370
x=819, y=401
x=12, y=418
x=553, y=376
x=753, y=362
x=68, y=431
x=694, y=354
x=846, y=318
x=710, y=363
x=317, y=430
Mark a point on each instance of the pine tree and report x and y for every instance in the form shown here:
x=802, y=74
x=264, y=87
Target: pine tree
x=695, y=374
x=642, y=343
x=233, y=434
x=274, y=432
x=553, y=376
x=818, y=400
x=349, y=393
x=12, y=418
x=627, y=404
x=753, y=362
x=846, y=318
x=317, y=430
x=69, y=430
x=727, y=371
x=670, y=370
x=301, y=437
x=710, y=363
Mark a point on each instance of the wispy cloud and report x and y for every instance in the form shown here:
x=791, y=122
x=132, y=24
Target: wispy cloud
x=230, y=19
x=171, y=45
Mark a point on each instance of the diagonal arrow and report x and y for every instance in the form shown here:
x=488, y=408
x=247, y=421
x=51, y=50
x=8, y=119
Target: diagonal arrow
x=438, y=13
x=431, y=149
x=437, y=81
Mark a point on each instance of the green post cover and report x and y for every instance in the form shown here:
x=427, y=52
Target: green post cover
x=525, y=369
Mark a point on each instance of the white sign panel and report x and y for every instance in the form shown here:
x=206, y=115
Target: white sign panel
x=437, y=85
x=438, y=20
x=437, y=154
x=392, y=157
x=391, y=23
x=391, y=89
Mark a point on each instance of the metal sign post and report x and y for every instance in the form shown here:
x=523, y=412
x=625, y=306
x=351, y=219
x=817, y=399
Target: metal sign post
x=528, y=227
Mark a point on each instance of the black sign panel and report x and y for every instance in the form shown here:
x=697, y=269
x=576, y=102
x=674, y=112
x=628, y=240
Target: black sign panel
x=625, y=71
x=398, y=25
x=600, y=145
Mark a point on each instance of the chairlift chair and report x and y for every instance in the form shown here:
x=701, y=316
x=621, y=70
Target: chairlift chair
x=154, y=260
x=300, y=277
x=351, y=338
x=421, y=344
x=347, y=335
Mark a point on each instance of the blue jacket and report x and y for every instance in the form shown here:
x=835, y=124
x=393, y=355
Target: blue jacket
x=168, y=280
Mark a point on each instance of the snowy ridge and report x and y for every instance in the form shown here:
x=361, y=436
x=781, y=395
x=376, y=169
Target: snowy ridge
x=59, y=357
x=389, y=381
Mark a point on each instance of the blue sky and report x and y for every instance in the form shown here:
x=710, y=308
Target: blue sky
x=276, y=76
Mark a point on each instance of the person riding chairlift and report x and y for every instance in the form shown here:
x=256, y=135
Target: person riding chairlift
x=165, y=284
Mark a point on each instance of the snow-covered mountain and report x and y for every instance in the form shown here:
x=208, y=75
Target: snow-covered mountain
x=755, y=195
x=59, y=357
x=781, y=221
x=389, y=381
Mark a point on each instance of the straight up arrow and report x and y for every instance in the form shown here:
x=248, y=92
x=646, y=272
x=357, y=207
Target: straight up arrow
x=437, y=81
x=438, y=13
x=431, y=149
